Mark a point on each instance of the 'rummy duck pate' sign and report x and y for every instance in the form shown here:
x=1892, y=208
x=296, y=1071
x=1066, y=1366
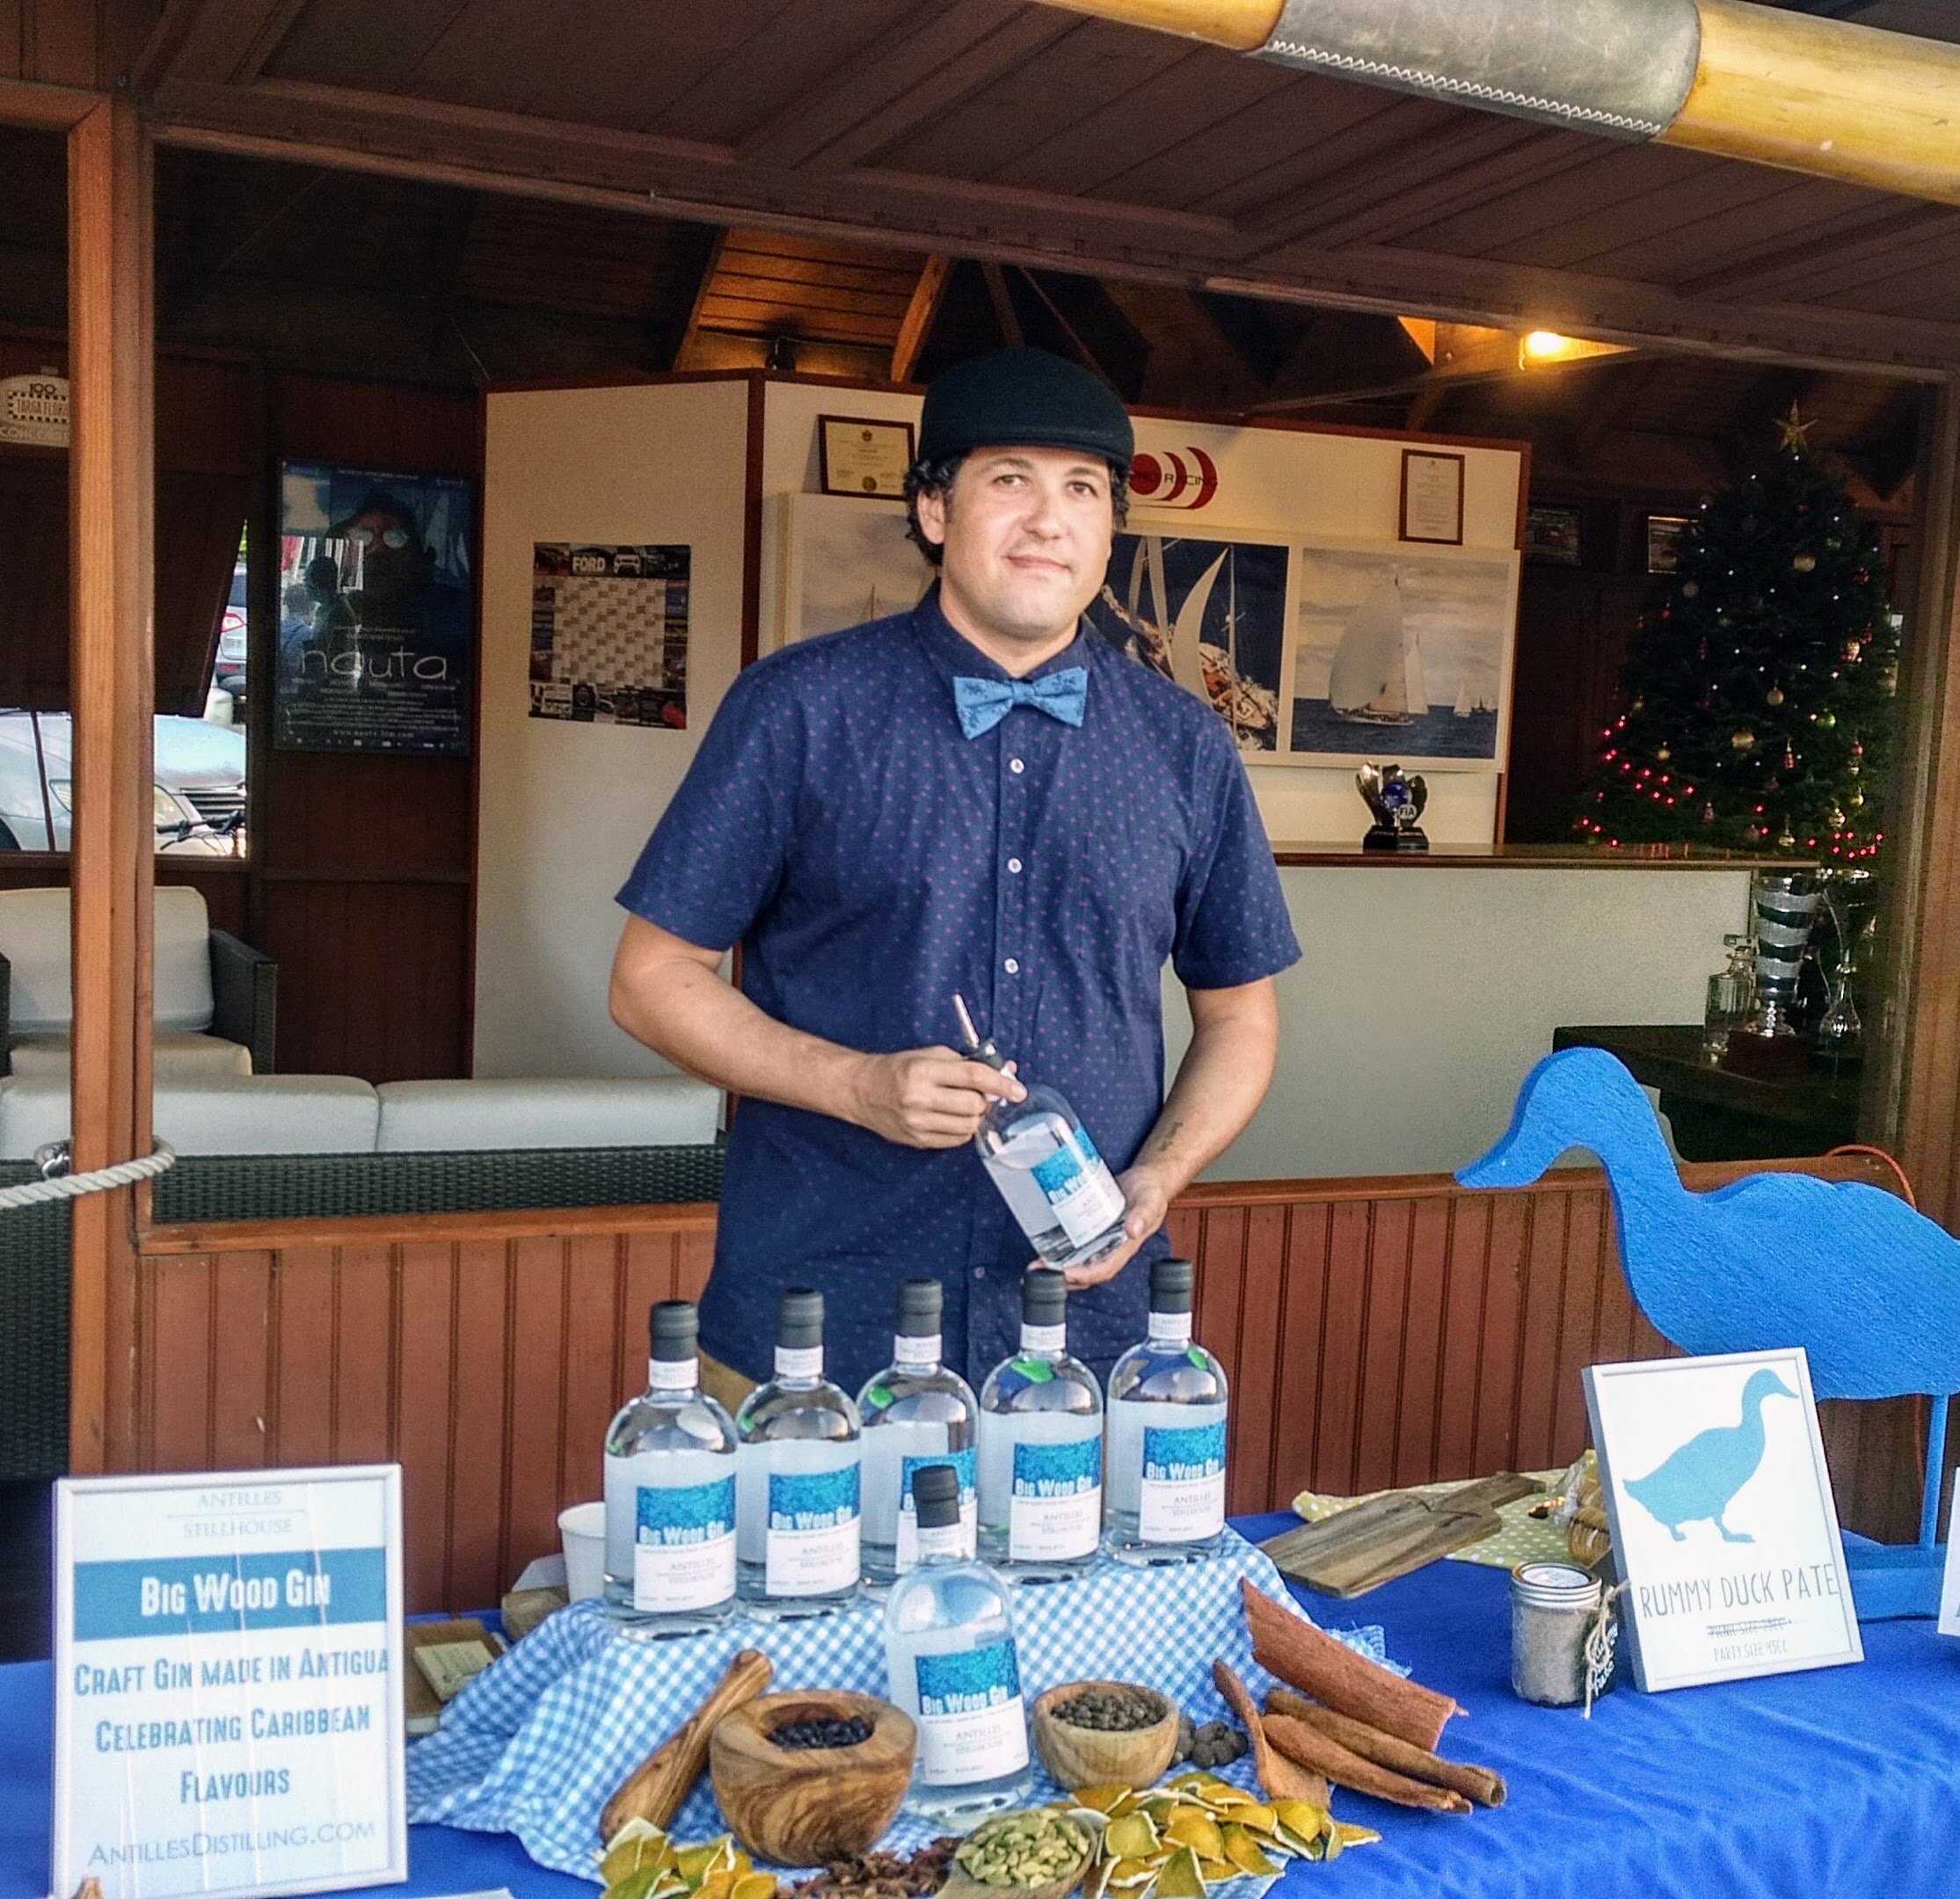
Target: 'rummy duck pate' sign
x=1723, y=1525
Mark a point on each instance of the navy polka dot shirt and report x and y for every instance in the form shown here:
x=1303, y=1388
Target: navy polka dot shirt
x=871, y=860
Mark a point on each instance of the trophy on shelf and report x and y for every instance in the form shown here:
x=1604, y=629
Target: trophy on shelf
x=1769, y=1046
x=1850, y=900
x=1398, y=803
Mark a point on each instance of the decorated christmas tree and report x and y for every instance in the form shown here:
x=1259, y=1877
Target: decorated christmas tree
x=1759, y=691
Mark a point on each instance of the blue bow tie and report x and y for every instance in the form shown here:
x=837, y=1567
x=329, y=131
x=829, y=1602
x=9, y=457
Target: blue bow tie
x=983, y=702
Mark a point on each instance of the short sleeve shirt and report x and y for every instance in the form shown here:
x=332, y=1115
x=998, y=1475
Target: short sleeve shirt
x=871, y=861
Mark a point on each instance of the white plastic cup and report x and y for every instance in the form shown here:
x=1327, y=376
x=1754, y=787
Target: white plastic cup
x=583, y=1527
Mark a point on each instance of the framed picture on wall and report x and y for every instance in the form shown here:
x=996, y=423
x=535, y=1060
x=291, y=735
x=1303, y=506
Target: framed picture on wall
x=1432, y=498
x=373, y=611
x=1552, y=535
x=1664, y=541
x=864, y=456
x=843, y=560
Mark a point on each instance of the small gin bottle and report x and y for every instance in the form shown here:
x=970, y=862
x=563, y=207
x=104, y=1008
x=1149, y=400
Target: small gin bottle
x=796, y=1474
x=1041, y=1444
x=917, y=1412
x=1167, y=1434
x=670, y=1490
x=1039, y=1155
x=951, y=1664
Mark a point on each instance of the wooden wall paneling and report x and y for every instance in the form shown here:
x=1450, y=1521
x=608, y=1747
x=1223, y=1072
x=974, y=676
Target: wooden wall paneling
x=424, y=1399
x=304, y=1330
x=1384, y=1313
x=479, y=1440
x=1257, y=1363
x=1220, y=1264
x=1417, y=1427
x=646, y=1276
x=1538, y=1337
x=693, y=1256
x=533, y=1422
x=1465, y=1266
x=594, y=1326
x=178, y=1364
x=1301, y=1342
x=1343, y=1336
x=1585, y=1263
x=1507, y=1246
x=242, y=1359
x=367, y=1330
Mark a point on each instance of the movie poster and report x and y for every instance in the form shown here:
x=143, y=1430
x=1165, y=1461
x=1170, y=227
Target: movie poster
x=375, y=611
x=609, y=634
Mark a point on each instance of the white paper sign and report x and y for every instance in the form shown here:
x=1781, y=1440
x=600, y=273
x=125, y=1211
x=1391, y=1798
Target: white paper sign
x=33, y=409
x=1723, y=1525
x=228, y=1670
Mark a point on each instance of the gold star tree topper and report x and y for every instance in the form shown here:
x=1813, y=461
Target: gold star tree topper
x=1794, y=432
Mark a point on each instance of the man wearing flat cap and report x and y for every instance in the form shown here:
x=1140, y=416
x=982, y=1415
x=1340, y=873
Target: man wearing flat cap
x=980, y=796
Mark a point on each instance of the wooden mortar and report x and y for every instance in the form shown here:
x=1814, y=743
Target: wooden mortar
x=808, y=1805
x=1095, y=1757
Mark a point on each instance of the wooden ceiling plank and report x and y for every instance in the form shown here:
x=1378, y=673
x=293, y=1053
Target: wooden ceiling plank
x=737, y=289
x=1699, y=243
x=223, y=41
x=748, y=267
x=1005, y=315
x=917, y=325
x=703, y=290
x=1839, y=250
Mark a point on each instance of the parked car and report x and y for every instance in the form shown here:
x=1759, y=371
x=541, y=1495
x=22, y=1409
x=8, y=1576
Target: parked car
x=197, y=796
x=229, y=674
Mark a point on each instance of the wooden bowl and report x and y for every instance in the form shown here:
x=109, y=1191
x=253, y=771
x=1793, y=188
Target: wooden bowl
x=1091, y=1756
x=806, y=1806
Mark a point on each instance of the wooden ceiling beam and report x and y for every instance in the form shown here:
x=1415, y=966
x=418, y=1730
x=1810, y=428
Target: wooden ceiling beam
x=704, y=285
x=222, y=42
x=1005, y=315
x=671, y=178
x=44, y=108
x=917, y=325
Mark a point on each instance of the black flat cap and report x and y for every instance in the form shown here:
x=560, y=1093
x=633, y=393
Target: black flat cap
x=1022, y=398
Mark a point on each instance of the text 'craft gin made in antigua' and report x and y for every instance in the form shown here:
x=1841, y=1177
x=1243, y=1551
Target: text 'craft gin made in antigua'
x=1041, y=1444
x=1040, y=1157
x=670, y=1489
x=796, y=1451
x=916, y=1412
x=1167, y=1409
x=950, y=1664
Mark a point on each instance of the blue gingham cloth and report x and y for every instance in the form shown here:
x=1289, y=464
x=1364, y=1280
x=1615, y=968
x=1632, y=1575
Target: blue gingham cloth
x=537, y=1743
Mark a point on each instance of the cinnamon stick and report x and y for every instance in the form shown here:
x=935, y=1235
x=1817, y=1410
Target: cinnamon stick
x=1311, y=1748
x=1280, y=1779
x=1290, y=1647
x=1478, y=1784
x=654, y=1789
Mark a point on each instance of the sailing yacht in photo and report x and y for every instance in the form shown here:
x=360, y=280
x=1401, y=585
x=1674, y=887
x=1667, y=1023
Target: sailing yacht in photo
x=1377, y=678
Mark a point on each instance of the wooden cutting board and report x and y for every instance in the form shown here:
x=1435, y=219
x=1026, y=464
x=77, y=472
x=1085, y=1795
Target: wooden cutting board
x=1359, y=1549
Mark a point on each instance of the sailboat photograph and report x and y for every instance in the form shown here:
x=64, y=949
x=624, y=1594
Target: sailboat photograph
x=1375, y=627
x=1209, y=615
x=846, y=560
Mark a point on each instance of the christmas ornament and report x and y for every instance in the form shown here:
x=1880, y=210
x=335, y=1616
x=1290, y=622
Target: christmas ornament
x=1742, y=740
x=1856, y=801
x=1794, y=433
x=1804, y=563
x=1785, y=839
x=1826, y=720
x=1854, y=651
x=1751, y=834
x=1789, y=759
x=1664, y=754
x=1690, y=589
x=1774, y=696
x=1708, y=814
x=1835, y=818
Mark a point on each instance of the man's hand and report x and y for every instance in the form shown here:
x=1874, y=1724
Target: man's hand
x=1148, y=1200
x=927, y=1097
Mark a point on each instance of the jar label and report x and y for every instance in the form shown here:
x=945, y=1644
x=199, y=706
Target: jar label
x=971, y=1723
x=1055, y=1513
x=967, y=1531
x=799, y=1361
x=811, y=1548
x=684, y=1545
x=916, y=1351
x=1078, y=1189
x=1169, y=1328
x=1184, y=1484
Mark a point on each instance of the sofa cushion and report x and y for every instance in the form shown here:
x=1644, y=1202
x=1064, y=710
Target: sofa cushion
x=238, y=1115
x=444, y=1116
x=180, y=1054
x=34, y=938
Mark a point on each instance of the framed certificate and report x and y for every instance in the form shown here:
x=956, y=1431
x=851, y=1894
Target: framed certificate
x=860, y=456
x=1432, y=498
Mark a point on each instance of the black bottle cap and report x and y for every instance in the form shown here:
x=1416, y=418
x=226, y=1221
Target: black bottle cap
x=972, y=1045
x=800, y=1319
x=920, y=1301
x=1044, y=1298
x=1170, y=1284
x=672, y=1328
x=936, y=1490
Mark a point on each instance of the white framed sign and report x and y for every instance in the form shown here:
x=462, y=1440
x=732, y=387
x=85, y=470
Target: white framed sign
x=1724, y=1525
x=34, y=409
x=228, y=1683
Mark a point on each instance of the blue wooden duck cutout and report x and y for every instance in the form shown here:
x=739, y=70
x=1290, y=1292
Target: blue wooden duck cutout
x=1699, y=1482
x=1867, y=1285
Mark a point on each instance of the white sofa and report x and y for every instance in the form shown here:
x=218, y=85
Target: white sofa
x=339, y=1115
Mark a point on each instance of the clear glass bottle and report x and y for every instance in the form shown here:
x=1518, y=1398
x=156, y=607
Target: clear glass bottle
x=797, y=1479
x=670, y=1489
x=1167, y=1434
x=916, y=1413
x=951, y=1664
x=1039, y=1155
x=1731, y=998
x=1041, y=1444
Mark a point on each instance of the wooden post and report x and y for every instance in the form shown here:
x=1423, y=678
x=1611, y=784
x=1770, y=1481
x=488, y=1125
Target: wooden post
x=1916, y=1090
x=112, y=523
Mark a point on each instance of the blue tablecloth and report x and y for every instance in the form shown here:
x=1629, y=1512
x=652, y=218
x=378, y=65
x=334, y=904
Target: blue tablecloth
x=1844, y=1782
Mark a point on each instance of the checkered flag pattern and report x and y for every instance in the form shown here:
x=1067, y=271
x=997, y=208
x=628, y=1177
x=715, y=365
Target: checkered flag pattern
x=536, y=1744
x=608, y=631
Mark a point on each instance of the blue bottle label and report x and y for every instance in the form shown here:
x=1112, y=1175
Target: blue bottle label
x=1055, y=1512
x=811, y=1546
x=971, y=1726
x=684, y=1545
x=1183, y=1497
x=1078, y=1189
x=963, y=1464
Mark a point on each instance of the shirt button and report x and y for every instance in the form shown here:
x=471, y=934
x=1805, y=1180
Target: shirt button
x=1014, y=864
x=980, y=1272
x=1011, y=966
x=1015, y=766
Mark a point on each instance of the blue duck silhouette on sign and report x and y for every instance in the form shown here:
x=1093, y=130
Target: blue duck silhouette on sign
x=1698, y=1482
x=1869, y=1288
